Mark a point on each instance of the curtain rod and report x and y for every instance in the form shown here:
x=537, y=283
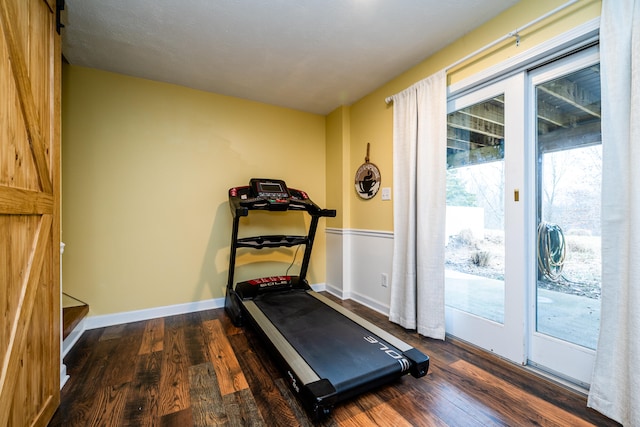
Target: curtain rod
x=505, y=37
x=511, y=34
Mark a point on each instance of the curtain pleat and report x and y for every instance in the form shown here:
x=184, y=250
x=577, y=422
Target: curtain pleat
x=419, y=184
x=615, y=386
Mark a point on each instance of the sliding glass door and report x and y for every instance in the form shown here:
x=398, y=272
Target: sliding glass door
x=565, y=318
x=485, y=132
x=523, y=216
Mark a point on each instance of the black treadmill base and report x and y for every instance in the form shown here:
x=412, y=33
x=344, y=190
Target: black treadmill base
x=233, y=308
x=334, y=346
x=348, y=358
x=320, y=398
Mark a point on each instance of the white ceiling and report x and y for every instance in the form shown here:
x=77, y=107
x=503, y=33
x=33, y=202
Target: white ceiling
x=309, y=55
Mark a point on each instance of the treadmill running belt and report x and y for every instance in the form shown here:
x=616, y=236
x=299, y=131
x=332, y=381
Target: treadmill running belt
x=334, y=346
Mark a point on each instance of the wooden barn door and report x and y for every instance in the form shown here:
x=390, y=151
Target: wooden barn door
x=29, y=212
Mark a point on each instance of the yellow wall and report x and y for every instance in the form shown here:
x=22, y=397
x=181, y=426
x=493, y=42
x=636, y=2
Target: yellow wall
x=146, y=169
x=337, y=165
x=371, y=120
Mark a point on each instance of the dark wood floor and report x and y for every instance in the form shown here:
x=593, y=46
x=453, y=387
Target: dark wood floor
x=198, y=369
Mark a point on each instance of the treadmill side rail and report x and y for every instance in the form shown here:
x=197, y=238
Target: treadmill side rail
x=317, y=394
x=297, y=364
x=396, y=342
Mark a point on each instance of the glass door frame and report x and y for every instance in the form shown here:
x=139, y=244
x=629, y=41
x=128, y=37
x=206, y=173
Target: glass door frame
x=560, y=358
x=505, y=339
x=517, y=339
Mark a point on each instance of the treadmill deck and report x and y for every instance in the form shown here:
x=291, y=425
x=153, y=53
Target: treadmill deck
x=337, y=348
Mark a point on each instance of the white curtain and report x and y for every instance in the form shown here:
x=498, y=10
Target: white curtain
x=615, y=386
x=419, y=187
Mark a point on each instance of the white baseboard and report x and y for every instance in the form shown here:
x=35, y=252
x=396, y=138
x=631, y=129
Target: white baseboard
x=370, y=303
x=319, y=287
x=337, y=292
x=73, y=337
x=63, y=375
x=102, y=321
x=359, y=298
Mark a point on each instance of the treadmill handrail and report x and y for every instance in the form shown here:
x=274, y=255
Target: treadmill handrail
x=271, y=241
x=241, y=202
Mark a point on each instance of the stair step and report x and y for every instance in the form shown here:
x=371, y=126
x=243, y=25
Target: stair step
x=71, y=316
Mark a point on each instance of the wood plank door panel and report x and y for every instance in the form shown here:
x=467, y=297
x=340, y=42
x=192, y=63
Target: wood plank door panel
x=29, y=213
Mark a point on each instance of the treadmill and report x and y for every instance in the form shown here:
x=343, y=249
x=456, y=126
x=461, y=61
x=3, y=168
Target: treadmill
x=328, y=353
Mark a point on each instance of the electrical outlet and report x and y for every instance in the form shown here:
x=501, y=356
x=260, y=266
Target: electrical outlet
x=384, y=280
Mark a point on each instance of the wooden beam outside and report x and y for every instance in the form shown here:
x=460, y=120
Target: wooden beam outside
x=572, y=94
x=476, y=157
x=562, y=139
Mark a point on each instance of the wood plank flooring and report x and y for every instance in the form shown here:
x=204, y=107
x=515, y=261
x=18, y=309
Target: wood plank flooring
x=200, y=370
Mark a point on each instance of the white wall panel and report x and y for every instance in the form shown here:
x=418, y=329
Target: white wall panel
x=356, y=261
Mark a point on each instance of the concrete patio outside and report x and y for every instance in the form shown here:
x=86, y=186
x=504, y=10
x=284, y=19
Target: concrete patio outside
x=568, y=317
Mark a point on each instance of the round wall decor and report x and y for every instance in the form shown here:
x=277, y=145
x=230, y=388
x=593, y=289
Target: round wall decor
x=367, y=181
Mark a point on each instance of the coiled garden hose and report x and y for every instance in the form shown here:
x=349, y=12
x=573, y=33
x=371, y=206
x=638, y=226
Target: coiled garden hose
x=551, y=250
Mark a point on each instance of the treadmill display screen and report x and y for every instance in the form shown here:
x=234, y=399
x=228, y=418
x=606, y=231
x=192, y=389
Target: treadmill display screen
x=270, y=187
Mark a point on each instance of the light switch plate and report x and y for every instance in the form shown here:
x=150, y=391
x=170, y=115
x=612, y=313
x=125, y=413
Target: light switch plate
x=386, y=193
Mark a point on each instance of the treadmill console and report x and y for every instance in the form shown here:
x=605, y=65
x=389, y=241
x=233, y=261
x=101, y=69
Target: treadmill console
x=273, y=189
x=273, y=195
